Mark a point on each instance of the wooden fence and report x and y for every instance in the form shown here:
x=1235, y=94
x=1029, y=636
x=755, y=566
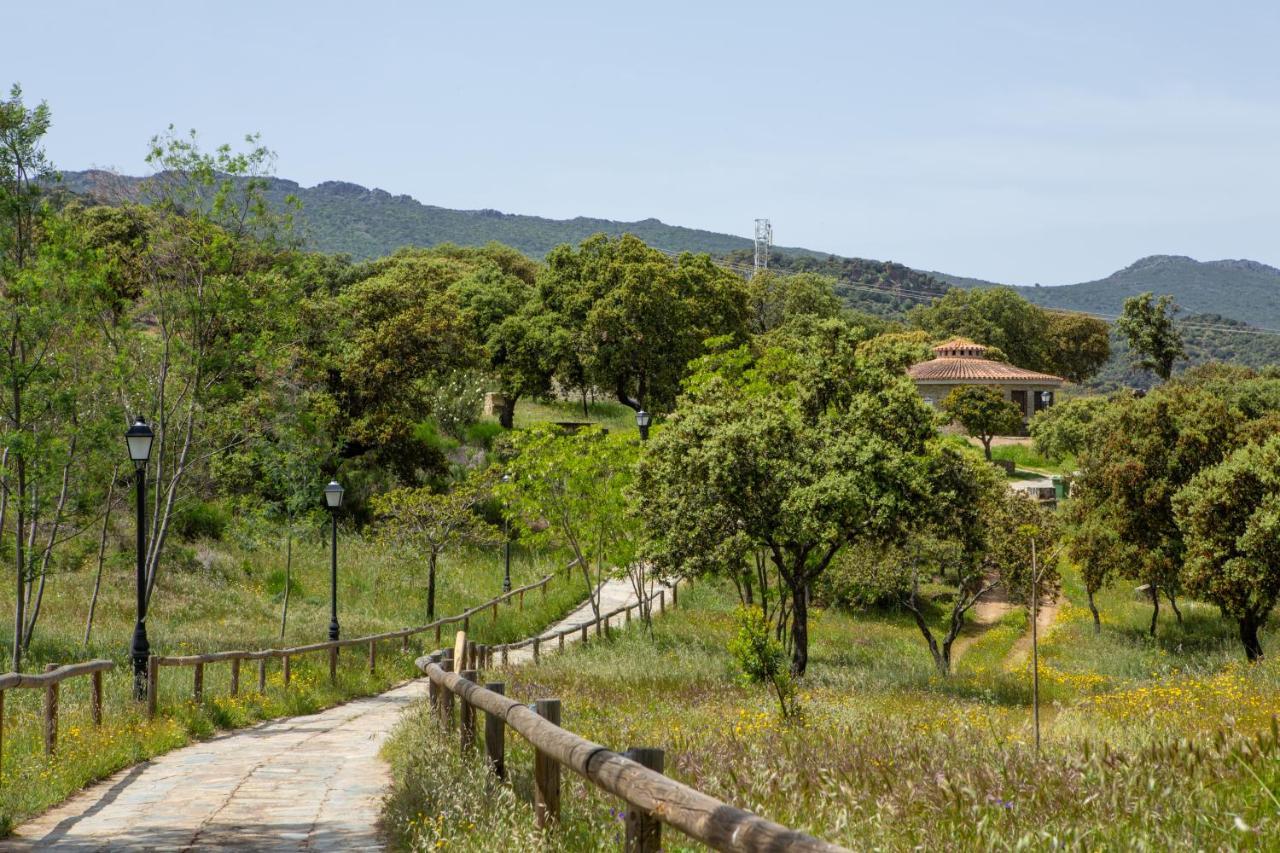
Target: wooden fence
x=636, y=777
x=49, y=680
x=235, y=658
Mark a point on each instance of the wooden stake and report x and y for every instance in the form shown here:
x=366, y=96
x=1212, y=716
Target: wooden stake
x=50, y=713
x=153, y=686
x=262, y=675
x=373, y=657
x=546, y=773
x=644, y=831
x=284, y=671
x=95, y=699
x=467, y=716
x=235, y=676
x=494, y=735
x=333, y=664
x=197, y=683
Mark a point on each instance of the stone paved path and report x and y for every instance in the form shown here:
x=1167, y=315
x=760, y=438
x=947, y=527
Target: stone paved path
x=613, y=594
x=311, y=783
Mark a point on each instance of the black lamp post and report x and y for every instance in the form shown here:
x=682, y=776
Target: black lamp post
x=333, y=499
x=643, y=419
x=506, y=546
x=138, y=438
x=1046, y=397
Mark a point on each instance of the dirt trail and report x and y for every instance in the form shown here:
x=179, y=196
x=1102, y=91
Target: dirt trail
x=989, y=610
x=1021, y=650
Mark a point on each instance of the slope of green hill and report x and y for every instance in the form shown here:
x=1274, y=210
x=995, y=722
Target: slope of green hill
x=366, y=223
x=1242, y=290
x=1208, y=337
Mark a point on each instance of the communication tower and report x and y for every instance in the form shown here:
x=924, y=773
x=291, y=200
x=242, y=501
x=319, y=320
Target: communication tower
x=764, y=241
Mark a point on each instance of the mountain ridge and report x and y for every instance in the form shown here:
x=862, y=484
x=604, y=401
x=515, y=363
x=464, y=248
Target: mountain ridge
x=345, y=217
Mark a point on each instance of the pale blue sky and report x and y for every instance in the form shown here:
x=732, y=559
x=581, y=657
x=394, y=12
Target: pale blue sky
x=1018, y=141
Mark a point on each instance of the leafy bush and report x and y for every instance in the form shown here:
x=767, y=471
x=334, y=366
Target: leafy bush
x=763, y=660
x=198, y=519
x=482, y=434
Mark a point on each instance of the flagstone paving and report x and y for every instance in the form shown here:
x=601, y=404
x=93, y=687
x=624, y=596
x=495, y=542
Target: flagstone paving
x=312, y=783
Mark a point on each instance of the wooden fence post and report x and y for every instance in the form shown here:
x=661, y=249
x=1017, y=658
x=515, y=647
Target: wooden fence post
x=537, y=642
x=561, y=640
x=333, y=664
x=50, y=713
x=467, y=715
x=522, y=599
x=543, y=587
x=546, y=773
x=466, y=624
x=197, y=683
x=446, y=695
x=235, y=676
x=627, y=620
x=373, y=657
x=674, y=594
x=284, y=671
x=437, y=632
x=1, y=734
x=262, y=675
x=472, y=651
x=153, y=686
x=644, y=831
x=95, y=699
x=404, y=643
x=600, y=625
x=494, y=735
x=584, y=631
x=504, y=654
x=494, y=611
x=662, y=601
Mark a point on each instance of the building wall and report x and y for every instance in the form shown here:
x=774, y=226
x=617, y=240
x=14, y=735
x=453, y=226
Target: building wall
x=935, y=393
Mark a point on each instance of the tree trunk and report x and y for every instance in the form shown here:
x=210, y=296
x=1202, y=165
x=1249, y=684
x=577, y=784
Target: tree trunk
x=986, y=446
x=20, y=567
x=431, y=587
x=1155, y=608
x=1093, y=608
x=1173, y=602
x=102, y=556
x=507, y=412
x=799, y=628
x=1249, y=636
x=288, y=577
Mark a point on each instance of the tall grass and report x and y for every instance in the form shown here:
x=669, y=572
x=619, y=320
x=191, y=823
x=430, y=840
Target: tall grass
x=890, y=755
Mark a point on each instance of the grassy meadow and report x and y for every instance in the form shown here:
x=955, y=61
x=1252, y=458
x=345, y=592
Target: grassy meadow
x=1147, y=744
x=229, y=597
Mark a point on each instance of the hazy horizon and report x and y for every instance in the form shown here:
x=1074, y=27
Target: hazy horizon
x=1010, y=144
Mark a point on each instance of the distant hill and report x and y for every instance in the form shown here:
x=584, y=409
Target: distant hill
x=364, y=223
x=1242, y=290
x=1208, y=337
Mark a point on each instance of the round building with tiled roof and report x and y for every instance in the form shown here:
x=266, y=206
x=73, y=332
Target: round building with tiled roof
x=963, y=362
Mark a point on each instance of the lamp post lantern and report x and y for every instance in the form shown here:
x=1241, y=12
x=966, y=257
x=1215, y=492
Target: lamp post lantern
x=1046, y=397
x=643, y=419
x=333, y=499
x=138, y=438
x=506, y=545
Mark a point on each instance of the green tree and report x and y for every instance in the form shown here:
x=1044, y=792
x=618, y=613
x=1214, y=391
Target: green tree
x=637, y=317
x=1229, y=515
x=966, y=503
x=432, y=522
x=575, y=491
x=995, y=316
x=1148, y=325
x=774, y=299
x=797, y=449
x=1139, y=455
x=1063, y=430
x=983, y=412
x=1077, y=346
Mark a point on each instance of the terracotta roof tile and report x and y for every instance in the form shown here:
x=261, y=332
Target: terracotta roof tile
x=949, y=369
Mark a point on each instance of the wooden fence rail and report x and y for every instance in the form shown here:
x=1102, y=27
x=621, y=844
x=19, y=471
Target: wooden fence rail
x=197, y=662
x=635, y=777
x=49, y=680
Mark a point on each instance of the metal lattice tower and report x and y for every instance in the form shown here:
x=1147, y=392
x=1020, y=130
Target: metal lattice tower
x=764, y=242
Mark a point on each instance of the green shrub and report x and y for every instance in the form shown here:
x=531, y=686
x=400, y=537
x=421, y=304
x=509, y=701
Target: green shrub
x=483, y=433
x=763, y=660
x=198, y=519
